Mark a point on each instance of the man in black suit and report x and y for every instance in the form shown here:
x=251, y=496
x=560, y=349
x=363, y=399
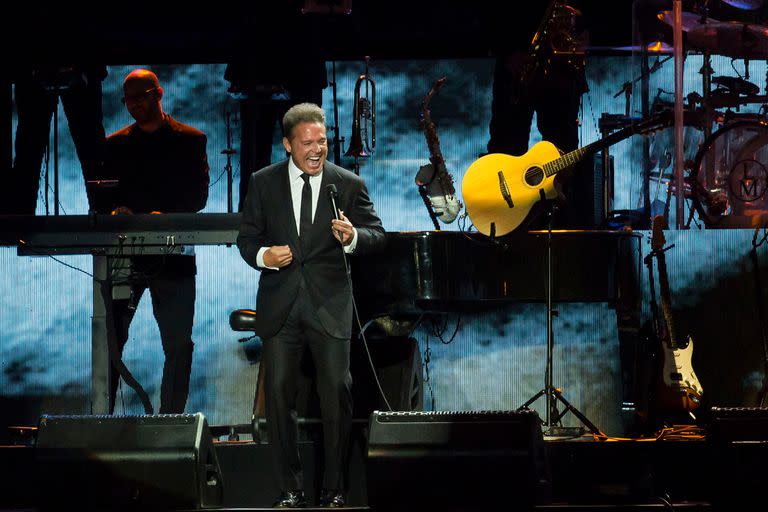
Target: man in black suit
x=161, y=167
x=304, y=301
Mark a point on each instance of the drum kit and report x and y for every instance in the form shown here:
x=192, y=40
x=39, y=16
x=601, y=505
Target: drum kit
x=727, y=181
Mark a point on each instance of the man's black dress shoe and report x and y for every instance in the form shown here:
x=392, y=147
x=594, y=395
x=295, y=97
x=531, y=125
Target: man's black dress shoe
x=291, y=499
x=332, y=498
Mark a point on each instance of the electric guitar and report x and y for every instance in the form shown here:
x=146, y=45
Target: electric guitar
x=679, y=389
x=500, y=191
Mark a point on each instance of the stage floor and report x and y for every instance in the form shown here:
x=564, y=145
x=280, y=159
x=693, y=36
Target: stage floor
x=584, y=474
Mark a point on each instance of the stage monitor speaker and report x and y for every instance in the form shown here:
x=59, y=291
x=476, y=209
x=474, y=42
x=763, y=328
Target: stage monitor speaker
x=456, y=460
x=128, y=462
x=738, y=440
x=738, y=424
x=397, y=361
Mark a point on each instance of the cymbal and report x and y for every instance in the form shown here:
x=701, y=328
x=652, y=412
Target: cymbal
x=691, y=20
x=748, y=5
x=732, y=39
x=655, y=47
x=659, y=47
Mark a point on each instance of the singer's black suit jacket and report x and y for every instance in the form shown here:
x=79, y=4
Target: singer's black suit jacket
x=268, y=220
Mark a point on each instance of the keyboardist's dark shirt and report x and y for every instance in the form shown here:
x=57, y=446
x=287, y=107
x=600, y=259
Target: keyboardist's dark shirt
x=164, y=171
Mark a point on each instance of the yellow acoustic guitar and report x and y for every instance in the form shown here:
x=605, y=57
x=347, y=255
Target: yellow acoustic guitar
x=500, y=191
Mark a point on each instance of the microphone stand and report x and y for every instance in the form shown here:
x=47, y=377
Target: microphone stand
x=626, y=90
x=553, y=417
x=425, y=197
x=229, y=152
x=678, y=165
x=337, y=141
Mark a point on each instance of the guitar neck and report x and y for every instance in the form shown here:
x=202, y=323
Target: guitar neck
x=577, y=155
x=656, y=323
x=666, y=303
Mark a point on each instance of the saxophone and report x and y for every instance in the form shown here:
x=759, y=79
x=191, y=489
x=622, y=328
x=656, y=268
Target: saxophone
x=435, y=176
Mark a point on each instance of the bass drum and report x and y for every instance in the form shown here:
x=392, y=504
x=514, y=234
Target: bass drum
x=730, y=175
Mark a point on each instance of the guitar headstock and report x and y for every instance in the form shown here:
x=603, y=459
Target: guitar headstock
x=657, y=233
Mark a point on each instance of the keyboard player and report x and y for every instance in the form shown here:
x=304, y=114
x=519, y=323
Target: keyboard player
x=161, y=166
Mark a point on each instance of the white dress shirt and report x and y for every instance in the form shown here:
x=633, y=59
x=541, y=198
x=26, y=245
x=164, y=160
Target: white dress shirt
x=297, y=184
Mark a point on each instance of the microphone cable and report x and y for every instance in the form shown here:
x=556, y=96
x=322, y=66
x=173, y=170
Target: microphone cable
x=331, y=190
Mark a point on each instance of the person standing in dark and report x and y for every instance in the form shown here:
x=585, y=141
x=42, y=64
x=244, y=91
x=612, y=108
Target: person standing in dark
x=268, y=83
x=266, y=89
x=546, y=77
x=304, y=300
x=161, y=167
x=37, y=93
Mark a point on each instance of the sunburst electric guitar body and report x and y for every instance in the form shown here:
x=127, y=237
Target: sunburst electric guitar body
x=679, y=389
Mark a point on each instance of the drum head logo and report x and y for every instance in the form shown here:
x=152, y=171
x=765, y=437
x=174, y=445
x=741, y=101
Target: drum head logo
x=748, y=180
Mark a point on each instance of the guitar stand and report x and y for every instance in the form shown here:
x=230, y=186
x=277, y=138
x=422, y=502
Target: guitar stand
x=428, y=204
x=553, y=417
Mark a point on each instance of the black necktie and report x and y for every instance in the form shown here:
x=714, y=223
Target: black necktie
x=305, y=217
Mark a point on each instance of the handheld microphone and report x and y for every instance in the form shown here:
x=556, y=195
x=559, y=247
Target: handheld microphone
x=332, y=195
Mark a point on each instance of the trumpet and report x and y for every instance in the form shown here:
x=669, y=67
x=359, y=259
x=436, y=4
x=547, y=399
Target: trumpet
x=362, y=142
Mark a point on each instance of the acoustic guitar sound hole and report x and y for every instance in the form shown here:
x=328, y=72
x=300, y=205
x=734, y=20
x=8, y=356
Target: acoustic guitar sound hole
x=534, y=176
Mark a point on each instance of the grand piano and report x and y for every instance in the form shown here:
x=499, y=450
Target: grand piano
x=419, y=273
x=452, y=271
x=438, y=272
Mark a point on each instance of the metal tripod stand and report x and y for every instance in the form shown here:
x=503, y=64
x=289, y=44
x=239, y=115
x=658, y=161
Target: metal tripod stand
x=553, y=416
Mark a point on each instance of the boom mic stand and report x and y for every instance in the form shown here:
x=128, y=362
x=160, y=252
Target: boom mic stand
x=229, y=151
x=553, y=417
x=338, y=140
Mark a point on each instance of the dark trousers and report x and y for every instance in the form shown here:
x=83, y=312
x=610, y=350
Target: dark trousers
x=173, y=304
x=258, y=116
x=35, y=106
x=556, y=103
x=302, y=335
x=556, y=99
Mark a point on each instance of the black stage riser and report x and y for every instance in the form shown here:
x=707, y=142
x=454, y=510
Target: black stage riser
x=726, y=469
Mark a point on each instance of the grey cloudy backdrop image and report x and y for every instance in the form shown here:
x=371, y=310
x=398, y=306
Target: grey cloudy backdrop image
x=496, y=360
